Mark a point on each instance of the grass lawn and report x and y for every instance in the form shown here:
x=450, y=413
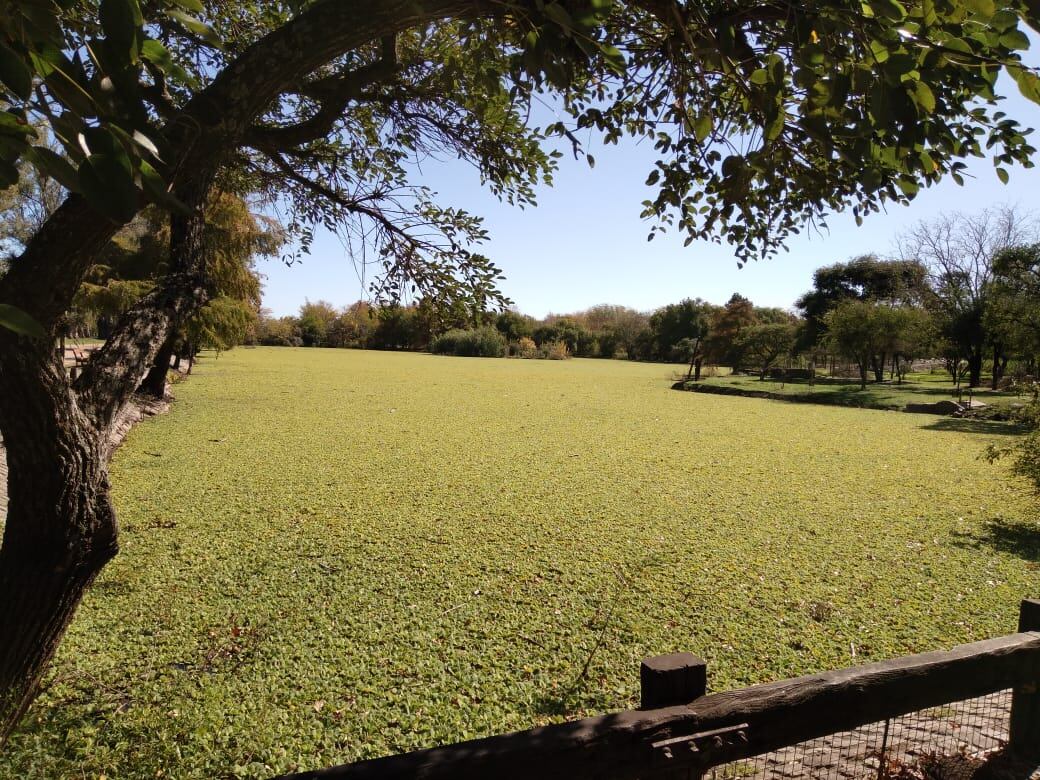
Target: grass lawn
x=330, y=555
x=917, y=389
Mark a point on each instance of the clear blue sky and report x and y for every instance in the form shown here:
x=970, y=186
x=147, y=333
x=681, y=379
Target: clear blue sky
x=585, y=243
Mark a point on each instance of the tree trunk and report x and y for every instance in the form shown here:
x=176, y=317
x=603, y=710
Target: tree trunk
x=975, y=368
x=60, y=528
x=154, y=383
x=697, y=370
x=862, y=376
x=1000, y=362
x=879, y=367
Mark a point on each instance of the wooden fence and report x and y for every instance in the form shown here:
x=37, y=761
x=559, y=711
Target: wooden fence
x=679, y=728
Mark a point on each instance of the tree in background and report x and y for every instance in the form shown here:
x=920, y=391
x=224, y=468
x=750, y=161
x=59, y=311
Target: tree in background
x=1012, y=315
x=722, y=346
x=566, y=330
x=764, y=344
x=865, y=332
x=865, y=278
x=278, y=332
x=617, y=329
x=315, y=321
x=514, y=326
x=684, y=323
x=959, y=252
x=765, y=117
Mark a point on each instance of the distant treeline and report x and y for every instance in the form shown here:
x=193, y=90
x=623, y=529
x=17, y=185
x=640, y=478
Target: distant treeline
x=869, y=318
x=605, y=331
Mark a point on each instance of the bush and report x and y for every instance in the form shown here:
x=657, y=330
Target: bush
x=1025, y=453
x=555, y=350
x=527, y=348
x=479, y=342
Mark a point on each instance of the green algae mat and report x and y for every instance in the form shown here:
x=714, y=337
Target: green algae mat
x=330, y=555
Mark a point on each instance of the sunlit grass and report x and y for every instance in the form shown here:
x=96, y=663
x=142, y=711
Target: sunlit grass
x=330, y=555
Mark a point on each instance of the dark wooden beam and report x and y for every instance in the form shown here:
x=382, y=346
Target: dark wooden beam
x=725, y=726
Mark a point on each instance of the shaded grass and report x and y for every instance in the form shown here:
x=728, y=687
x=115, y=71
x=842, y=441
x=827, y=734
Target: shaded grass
x=885, y=395
x=331, y=555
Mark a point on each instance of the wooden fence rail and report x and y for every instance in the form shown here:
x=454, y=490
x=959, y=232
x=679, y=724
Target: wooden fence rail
x=710, y=730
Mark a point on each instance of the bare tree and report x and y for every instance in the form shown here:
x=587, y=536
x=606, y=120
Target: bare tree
x=958, y=250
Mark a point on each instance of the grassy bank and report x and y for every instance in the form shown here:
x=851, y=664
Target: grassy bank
x=893, y=395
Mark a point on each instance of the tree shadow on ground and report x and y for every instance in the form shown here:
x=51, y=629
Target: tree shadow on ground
x=968, y=425
x=1015, y=537
x=570, y=703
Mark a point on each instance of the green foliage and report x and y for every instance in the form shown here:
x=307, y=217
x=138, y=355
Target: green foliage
x=221, y=324
x=1024, y=457
x=329, y=555
x=867, y=333
x=13, y=318
x=671, y=324
x=1012, y=314
x=314, y=322
x=722, y=347
x=477, y=342
x=568, y=331
x=78, y=70
x=765, y=118
x=763, y=345
x=280, y=332
x=865, y=278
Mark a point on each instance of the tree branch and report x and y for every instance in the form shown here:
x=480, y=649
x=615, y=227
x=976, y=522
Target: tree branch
x=335, y=93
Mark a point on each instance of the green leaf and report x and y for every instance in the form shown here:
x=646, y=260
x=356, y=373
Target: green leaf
x=1028, y=83
x=122, y=22
x=155, y=186
x=157, y=54
x=559, y=15
x=1014, y=39
x=984, y=8
x=702, y=126
x=760, y=76
x=14, y=319
x=201, y=29
x=924, y=97
x=890, y=9
x=615, y=59
x=53, y=165
x=1002, y=174
x=13, y=125
x=14, y=73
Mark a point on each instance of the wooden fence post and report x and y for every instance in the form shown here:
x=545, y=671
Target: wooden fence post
x=668, y=680
x=1024, y=732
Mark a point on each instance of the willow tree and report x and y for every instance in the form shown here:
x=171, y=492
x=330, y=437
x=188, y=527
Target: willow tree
x=766, y=116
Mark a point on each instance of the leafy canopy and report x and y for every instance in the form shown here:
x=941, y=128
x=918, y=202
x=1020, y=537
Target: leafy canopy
x=766, y=116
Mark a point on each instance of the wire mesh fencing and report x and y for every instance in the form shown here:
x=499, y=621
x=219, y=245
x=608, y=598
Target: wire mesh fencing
x=942, y=743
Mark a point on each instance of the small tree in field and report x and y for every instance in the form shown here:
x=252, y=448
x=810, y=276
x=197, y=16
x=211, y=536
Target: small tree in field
x=862, y=331
x=764, y=345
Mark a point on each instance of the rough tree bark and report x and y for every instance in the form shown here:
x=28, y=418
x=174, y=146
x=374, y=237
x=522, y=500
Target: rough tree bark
x=154, y=383
x=60, y=528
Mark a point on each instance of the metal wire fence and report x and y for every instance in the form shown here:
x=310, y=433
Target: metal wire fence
x=943, y=743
